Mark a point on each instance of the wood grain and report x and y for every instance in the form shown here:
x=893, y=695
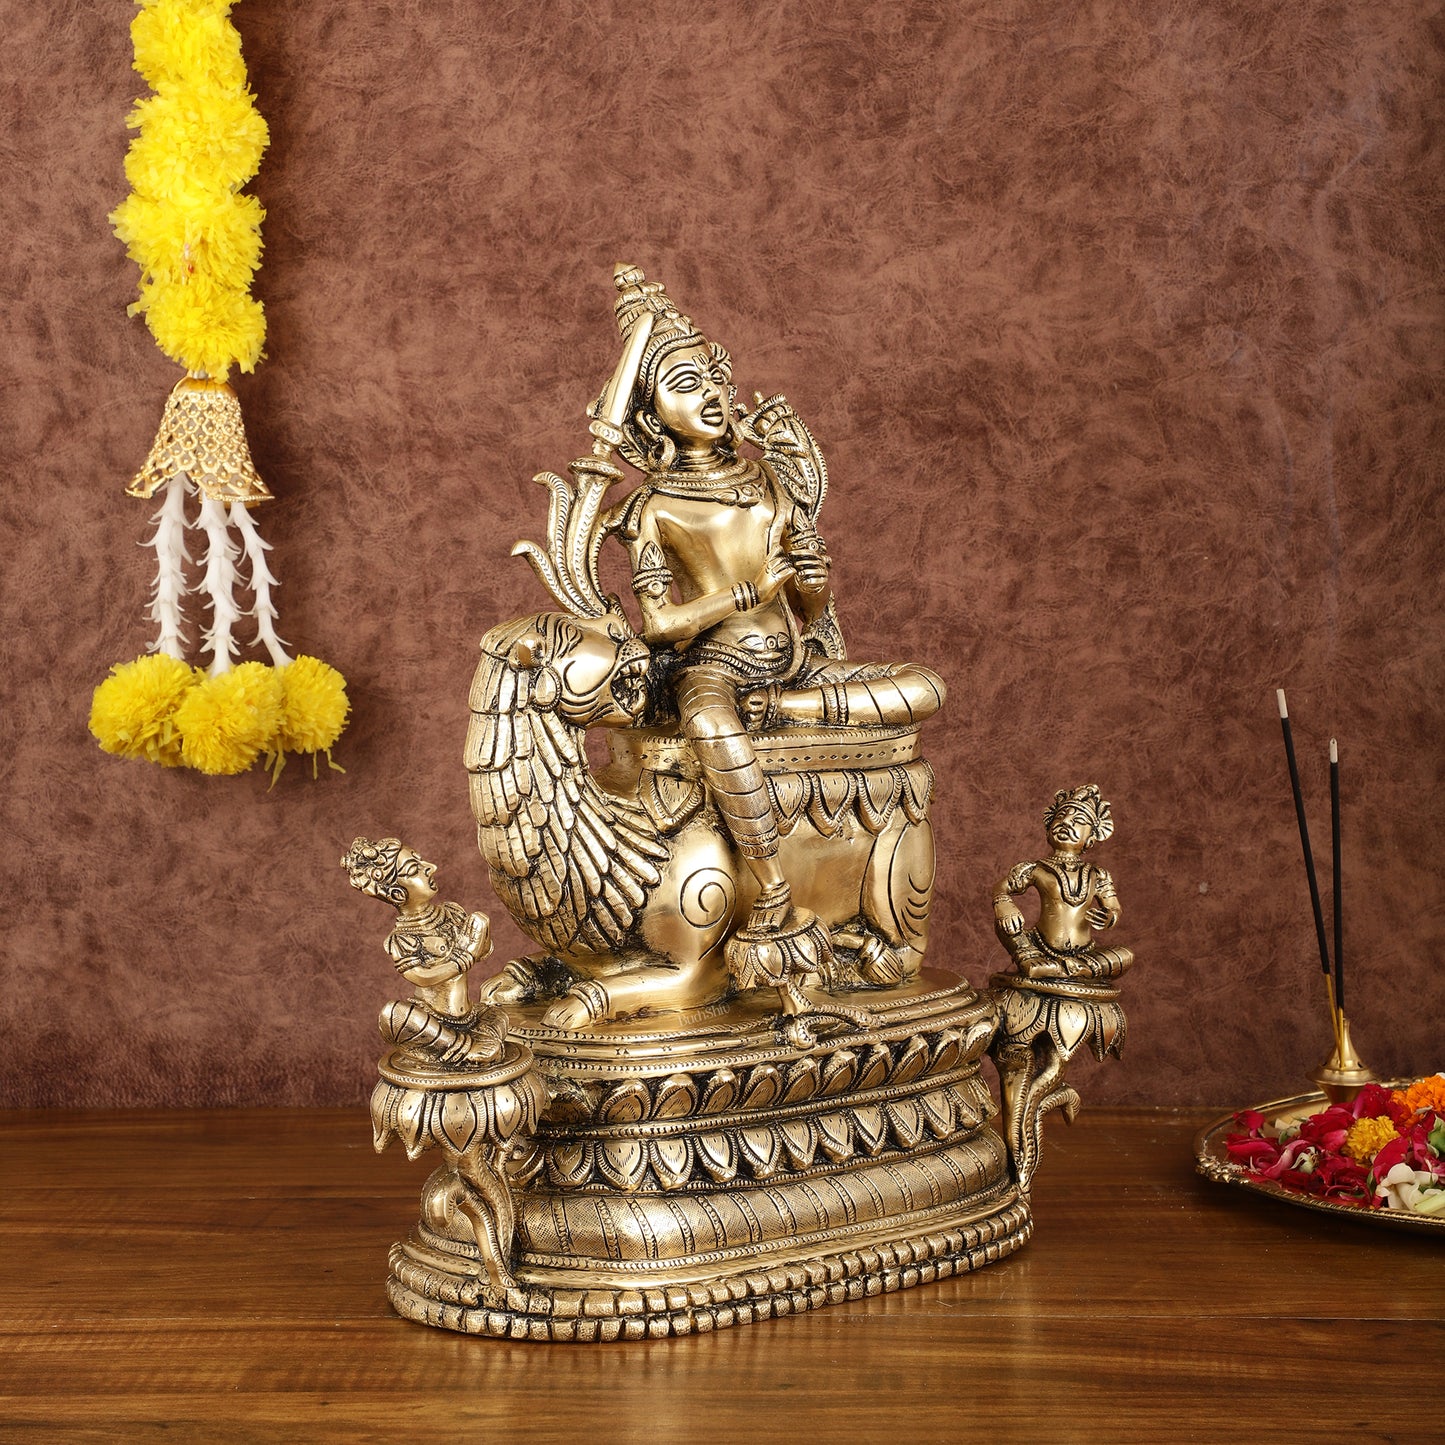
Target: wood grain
x=218, y=1276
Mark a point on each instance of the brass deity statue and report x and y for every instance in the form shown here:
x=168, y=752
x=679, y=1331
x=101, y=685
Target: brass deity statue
x=725, y=1087
x=433, y=946
x=1075, y=897
x=765, y=818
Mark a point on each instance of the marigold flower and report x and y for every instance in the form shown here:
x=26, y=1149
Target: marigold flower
x=314, y=706
x=1423, y=1094
x=1367, y=1137
x=226, y=720
x=133, y=711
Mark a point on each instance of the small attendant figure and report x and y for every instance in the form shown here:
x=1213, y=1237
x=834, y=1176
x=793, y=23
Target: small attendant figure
x=433, y=946
x=483, y=1093
x=1075, y=897
x=1063, y=991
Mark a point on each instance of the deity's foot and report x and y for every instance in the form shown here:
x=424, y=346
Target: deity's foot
x=765, y=953
x=585, y=1003
x=783, y=947
x=633, y=988
x=525, y=980
x=876, y=962
x=1031, y=960
x=879, y=964
x=758, y=708
x=1036, y=967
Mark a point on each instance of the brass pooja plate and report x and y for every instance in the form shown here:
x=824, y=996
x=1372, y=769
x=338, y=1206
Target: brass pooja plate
x=1212, y=1160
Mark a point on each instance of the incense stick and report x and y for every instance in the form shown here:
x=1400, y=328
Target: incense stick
x=1304, y=838
x=1335, y=862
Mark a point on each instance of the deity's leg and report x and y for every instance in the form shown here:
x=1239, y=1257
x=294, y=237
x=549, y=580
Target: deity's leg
x=779, y=942
x=1035, y=959
x=857, y=694
x=1107, y=963
x=707, y=705
x=1032, y=958
x=413, y=1026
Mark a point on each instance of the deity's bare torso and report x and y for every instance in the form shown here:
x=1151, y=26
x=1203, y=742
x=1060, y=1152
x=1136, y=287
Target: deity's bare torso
x=1068, y=891
x=709, y=539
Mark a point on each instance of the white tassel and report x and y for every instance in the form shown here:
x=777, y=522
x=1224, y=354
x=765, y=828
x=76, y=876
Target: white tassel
x=219, y=584
x=167, y=609
x=263, y=609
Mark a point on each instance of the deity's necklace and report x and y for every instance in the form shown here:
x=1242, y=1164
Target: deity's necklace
x=429, y=920
x=736, y=482
x=1062, y=865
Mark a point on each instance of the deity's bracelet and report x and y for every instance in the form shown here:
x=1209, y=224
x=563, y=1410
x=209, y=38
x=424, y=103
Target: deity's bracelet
x=745, y=596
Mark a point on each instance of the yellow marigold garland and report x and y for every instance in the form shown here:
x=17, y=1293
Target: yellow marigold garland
x=197, y=241
x=195, y=238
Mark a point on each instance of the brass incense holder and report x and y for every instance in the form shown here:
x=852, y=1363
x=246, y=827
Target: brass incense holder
x=1344, y=1073
x=724, y=1087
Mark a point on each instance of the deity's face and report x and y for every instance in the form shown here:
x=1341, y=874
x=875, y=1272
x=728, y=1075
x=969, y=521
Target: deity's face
x=1071, y=829
x=690, y=397
x=417, y=876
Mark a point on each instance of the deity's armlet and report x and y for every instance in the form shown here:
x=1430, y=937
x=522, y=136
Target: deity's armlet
x=1018, y=879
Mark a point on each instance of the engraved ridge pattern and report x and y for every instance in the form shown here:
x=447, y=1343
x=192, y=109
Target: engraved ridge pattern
x=420, y=1292
x=686, y=1132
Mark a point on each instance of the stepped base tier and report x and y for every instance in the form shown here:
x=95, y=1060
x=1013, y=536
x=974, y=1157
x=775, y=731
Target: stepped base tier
x=712, y=1174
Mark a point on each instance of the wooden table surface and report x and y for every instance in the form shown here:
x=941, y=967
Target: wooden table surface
x=218, y=1276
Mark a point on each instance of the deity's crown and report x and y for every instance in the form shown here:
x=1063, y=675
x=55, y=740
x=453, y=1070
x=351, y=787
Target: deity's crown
x=670, y=328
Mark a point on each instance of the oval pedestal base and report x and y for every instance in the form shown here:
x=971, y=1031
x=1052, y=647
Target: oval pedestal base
x=420, y=1288
x=689, y=1179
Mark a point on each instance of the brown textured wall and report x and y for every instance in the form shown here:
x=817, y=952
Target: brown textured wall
x=1121, y=326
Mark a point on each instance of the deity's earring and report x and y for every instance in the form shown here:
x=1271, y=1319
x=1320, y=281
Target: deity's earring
x=662, y=450
x=735, y=414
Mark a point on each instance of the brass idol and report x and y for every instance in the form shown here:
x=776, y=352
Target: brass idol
x=724, y=1087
